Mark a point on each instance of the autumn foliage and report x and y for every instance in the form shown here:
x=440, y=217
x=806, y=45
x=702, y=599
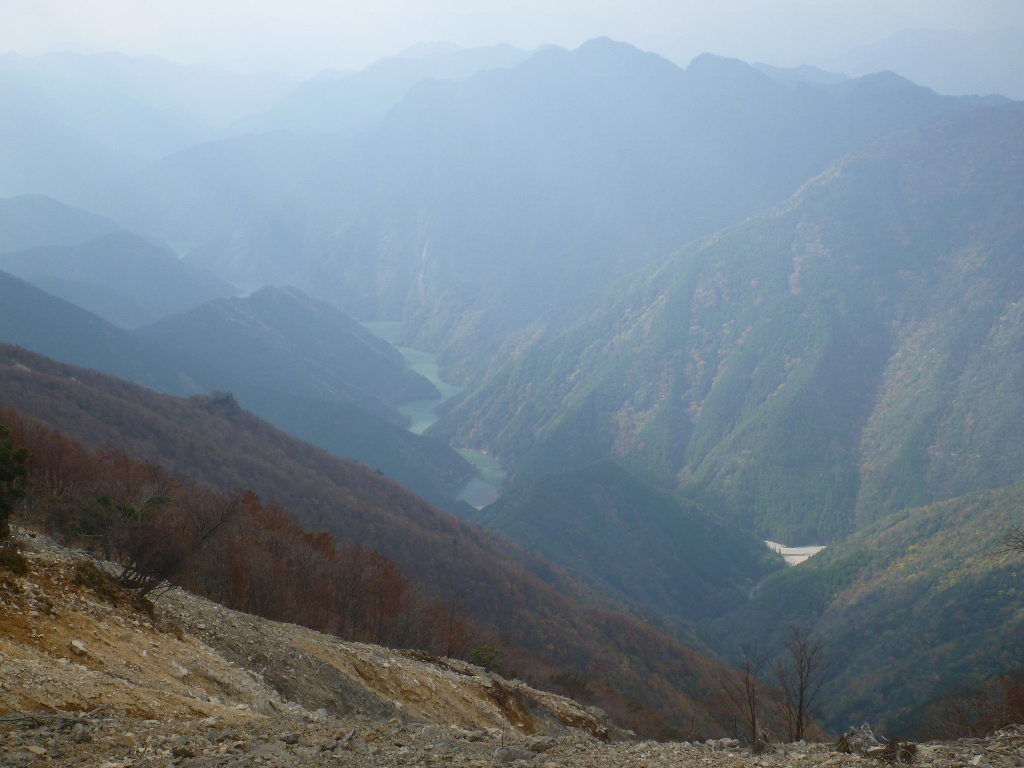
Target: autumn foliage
x=477, y=588
x=229, y=547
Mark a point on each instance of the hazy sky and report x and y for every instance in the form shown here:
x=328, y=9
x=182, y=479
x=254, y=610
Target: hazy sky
x=310, y=34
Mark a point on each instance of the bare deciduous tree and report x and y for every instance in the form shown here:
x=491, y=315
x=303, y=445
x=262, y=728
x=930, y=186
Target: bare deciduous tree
x=978, y=711
x=799, y=675
x=573, y=683
x=744, y=695
x=1014, y=541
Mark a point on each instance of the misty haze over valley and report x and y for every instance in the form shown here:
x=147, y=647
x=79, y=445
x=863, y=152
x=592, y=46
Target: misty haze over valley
x=632, y=353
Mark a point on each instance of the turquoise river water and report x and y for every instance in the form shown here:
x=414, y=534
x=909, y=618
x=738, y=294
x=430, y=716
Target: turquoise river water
x=482, y=488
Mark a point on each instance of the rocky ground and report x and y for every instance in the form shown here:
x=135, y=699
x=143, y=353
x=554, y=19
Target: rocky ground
x=90, y=677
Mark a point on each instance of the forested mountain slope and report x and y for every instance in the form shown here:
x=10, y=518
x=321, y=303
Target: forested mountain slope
x=532, y=603
x=672, y=559
x=42, y=323
x=487, y=201
x=35, y=320
x=919, y=604
x=283, y=339
x=854, y=351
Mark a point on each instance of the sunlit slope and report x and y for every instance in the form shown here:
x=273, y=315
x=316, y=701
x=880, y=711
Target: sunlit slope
x=852, y=352
x=668, y=558
x=911, y=607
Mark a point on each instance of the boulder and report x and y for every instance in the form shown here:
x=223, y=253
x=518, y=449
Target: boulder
x=858, y=741
x=506, y=755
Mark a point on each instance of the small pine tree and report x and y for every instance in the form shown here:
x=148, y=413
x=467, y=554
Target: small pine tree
x=485, y=656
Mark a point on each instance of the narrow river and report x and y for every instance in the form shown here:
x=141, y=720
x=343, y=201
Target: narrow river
x=482, y=488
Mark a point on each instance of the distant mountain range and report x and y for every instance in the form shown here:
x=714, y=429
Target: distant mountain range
x=346, y=103
x=119, y=276
x=74, y=124
x=848, y=354
x=202, y=96
x=70, y=138
x=42, y=323
x=983, y=62
x=485, y=203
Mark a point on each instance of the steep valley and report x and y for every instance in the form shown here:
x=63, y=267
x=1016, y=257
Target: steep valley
x=553, y=617
x=481, y=489
x=518, y=362
x=850, y=353
x=918, y=605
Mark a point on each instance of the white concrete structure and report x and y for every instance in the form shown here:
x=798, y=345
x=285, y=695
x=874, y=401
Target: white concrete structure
x=794, y=555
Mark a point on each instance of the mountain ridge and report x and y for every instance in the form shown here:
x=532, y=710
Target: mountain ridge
x=211, y=441
x=746, y=371
x=47, y=325
x=119, y=276
x=289, y=341
x=351, y=102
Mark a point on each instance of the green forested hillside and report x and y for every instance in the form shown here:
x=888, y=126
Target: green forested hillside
x=852, y=352
x=668, y=558
x=911, y=607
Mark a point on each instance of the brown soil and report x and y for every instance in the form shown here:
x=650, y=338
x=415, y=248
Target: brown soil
x=91, y=676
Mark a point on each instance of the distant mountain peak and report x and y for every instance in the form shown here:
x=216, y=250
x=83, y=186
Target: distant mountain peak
x=890, y=81
x=615, y=50
x=710, y=65
x=423, y=49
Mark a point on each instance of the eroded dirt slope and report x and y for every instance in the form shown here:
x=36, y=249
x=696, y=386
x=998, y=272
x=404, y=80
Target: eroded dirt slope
x=90, y=677
x=71, y=642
